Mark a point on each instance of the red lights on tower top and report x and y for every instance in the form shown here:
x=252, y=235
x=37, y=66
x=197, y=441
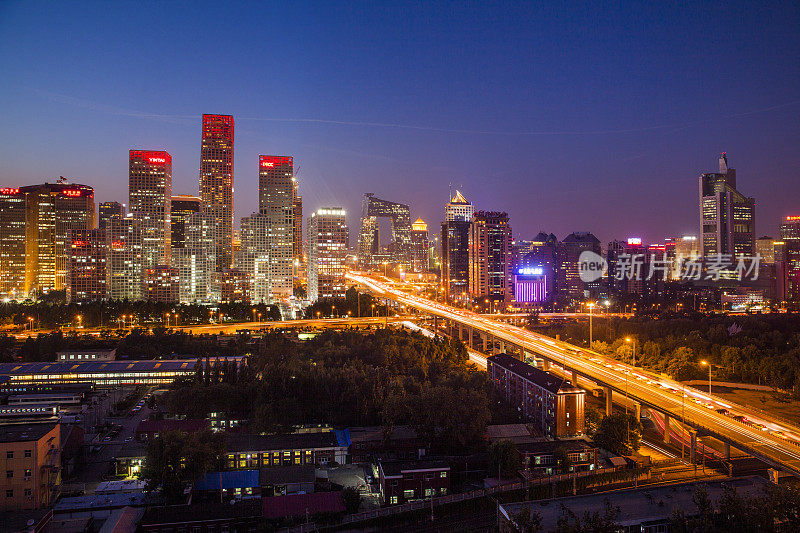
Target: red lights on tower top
x=792, y=218
x=152, y=157
x=9, y=190
x=273, y=161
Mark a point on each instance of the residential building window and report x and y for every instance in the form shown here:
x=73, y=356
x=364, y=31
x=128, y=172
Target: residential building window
x=9, y=455
x=393, y=500
x=27, y=472
x=28, y=453
x=443, y=474
x=9, y=473
x=9, y=494
x=429, y=492
x=407, y=494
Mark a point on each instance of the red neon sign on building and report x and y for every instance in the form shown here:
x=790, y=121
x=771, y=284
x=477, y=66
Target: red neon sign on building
x=791, y=218
x=9, y=190
x=71, y=193
x=272, y=161
x=154, y=157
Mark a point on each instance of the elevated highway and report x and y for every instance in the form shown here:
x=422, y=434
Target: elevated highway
x=774, y=442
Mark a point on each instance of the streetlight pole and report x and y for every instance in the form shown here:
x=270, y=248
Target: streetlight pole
x=591, y=306
x=704, y=363
x=628, y=339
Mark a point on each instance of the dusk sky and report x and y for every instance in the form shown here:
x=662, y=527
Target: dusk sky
x=571, y=118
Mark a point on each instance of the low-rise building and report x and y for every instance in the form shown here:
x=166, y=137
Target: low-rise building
x=228, y=485
x=30, y=458
x=550, y=401
x=541, y=458
x=413, y=480
x=257, y=451
x=151, y=429
x=88, y=354
x=369, y=443
x=282, y=480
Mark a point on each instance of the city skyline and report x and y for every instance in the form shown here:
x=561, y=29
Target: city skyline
x=574, y=129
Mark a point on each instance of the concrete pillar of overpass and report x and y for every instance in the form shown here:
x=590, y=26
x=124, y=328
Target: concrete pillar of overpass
x=693, y=445
x=666, y=428
x=637, y=409
x=609, y=404
x=727, y=449
x=575, y=378
x=546, y=365
x=484, y=342
x=502, y=347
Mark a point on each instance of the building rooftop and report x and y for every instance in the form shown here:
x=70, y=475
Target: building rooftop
x=229, y=479
x=373, y=433
x=396, y=468
x=100, y=501
x=104, y=367
x=301, y=504
x=545, y=380
x=242, y=442
x=516, y=433
x=25, y=432
x=279, y=475
x=549, y=446
x=188, y=426
x=458, y=198
x=176, y=514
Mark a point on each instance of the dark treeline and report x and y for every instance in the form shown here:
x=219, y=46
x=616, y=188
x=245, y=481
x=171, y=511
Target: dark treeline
x=751, y=348
x=343, y=379
x=51, y=314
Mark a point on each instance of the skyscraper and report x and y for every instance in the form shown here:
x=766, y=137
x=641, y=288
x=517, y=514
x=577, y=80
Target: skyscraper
x=370, y=253
x=455, y=246
x=419, y=246
x=12, y=242
x=790, y=236
x=109, y=210
x=298, y=256
x=490, y=256
x=542, y=255
x=86, y=273
x=727, y=217
x=195, y=260
x=569, y=284
x=182, y=207
x=150, y=192
x=327, y=249
x=268, y=236
x=52, y=212
x=216, y=181
x=123, y=259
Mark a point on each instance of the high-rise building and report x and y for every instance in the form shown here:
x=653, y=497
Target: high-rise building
x=458, y=209
x=455, y=246
x=790, y=228
x=490, y=256
x=182, y=207
x=570, y=286
x=540, y=260
x=109, y=210
x=216, y=181
x=327, y=249
x=790, y=236
x=765, y=247
x=161, y=284
x=124, y=259
x=52, y=212
x=687, y=248
x=727, y=217
x=419, y=246
x=232, y=285
x=370, y=253
x=86, y=274
x=12, y=243
x=298, y=255
x=195, y=260
x=150, y=192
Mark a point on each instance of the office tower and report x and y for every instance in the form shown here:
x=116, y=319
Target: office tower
x=298, y=256
x=195, y=261
x=86, y=274
x=52, y=212
x=12, y=243
x=635, y=286
x=182, y=207
x=370, y=253
x=727, y=217
x=570, y=286
x=216, y=181
x=327, y=249
x=150, y=191
x=790, y=236
x=455, y=247
x=458, y=209
x=419, y=246
x=540, y=259
x=765, y=247
x=109, y=210
x=161, y=284
x=268, y=236
x=687, y=248
x=124, y=259
x=232, y=285
x=490, y=256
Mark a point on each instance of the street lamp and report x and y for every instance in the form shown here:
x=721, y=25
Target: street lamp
x=628, y=339
x=80, y=321
x=706, y=363
x=591, y=306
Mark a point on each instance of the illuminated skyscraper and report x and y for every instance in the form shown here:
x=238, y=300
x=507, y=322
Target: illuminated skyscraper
x=298, y=256
x=370, y=253
x=195, y=260
x=268, y=236
x=327, y=249
x=150, y=192
x=455, y=246
x=419, y=246
x=490, y=256
x=52, y=212
x=790, y=236
x=109, y=210
x=458, y=208
x=182, y=207
x=123, y=259
x=86, y=274
x=569, y=285
x=12, y=243
x=216, y=181
x=727, y=217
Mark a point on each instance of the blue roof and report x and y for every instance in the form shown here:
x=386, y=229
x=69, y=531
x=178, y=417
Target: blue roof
x=118, y=366
x=231, y=479
x=343, y=436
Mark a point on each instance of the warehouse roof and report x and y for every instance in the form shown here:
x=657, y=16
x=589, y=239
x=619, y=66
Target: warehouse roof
x=105, y=367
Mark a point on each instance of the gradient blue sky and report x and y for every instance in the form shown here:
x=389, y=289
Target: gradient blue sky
x=570, y=117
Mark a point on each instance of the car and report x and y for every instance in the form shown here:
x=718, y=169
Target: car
x=107, y=438
x=128, y=438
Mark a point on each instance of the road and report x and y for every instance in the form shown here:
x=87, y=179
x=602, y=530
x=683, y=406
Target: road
x=771, y=440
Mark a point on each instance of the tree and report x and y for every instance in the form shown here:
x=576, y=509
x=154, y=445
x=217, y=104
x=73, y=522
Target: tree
x=620, y=433
x=352, y=499
x=504, y=453
x=175, y=459
x=592, y=416
x=526, y=520
x=563, y=462
x=606, y=521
